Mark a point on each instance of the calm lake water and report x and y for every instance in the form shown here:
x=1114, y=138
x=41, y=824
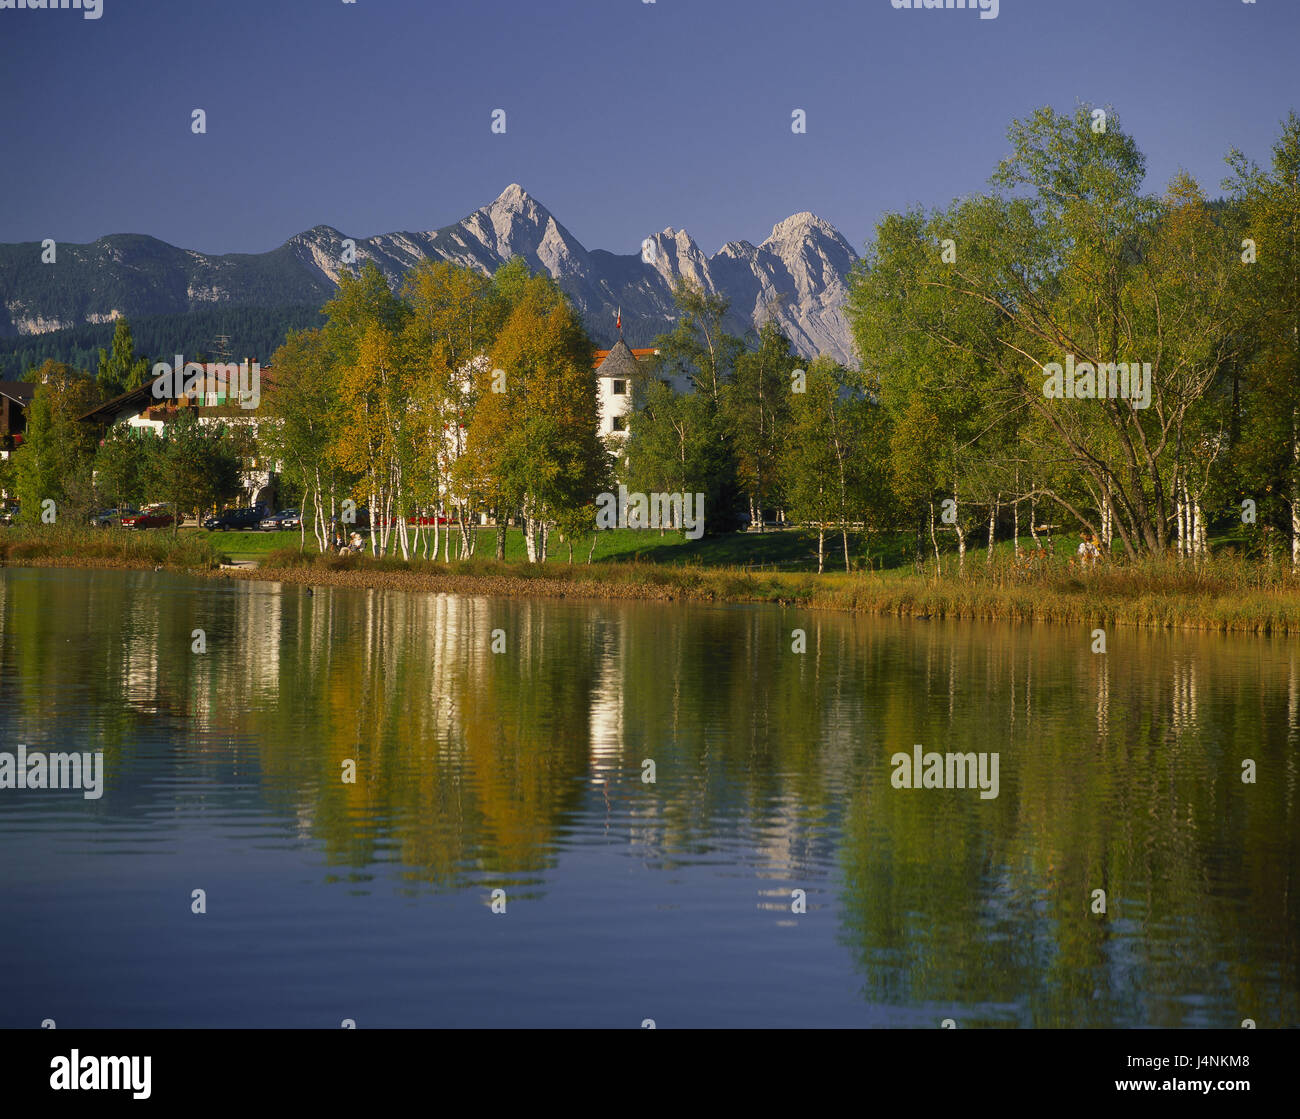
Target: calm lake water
x=522, y=771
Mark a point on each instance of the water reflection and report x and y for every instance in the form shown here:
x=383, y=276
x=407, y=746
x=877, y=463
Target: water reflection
x=523, y=769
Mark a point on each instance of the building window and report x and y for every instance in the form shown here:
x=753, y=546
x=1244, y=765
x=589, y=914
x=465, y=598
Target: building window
x=617, y=423
x=620, y=388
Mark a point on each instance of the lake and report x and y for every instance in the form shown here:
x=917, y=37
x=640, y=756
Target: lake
x=501, y=856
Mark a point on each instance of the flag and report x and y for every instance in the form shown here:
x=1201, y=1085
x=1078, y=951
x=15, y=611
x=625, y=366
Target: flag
x=619, y=321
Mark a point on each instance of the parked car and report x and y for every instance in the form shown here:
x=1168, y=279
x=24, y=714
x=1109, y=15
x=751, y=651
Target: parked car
x=111, y=517
x=151, y=516
x=286, y=518
x=249, y=516
x=9, y=514
x=426, y=520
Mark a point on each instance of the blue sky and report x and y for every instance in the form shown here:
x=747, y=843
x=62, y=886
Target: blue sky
x=622, y=117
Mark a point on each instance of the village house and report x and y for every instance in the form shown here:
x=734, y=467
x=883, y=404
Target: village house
x=144, y=409
x=15, y=399
x=150, y=409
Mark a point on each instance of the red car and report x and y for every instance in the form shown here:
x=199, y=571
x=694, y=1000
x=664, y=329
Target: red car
x=427, y=520
x=151, y=516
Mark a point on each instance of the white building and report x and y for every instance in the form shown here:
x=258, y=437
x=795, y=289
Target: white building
x=616, y=369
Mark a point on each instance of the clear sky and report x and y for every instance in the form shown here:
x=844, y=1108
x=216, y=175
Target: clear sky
x=623, y=117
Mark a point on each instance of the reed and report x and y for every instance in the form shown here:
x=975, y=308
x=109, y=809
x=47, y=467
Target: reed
x=106, y=547
x=1225, y=593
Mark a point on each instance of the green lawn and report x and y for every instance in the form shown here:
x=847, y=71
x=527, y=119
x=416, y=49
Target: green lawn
x=249, y=545
x=777, y=550
x=784, y=550
x=793, y=550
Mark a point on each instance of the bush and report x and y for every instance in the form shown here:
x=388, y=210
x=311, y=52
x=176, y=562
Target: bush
x=289, y=557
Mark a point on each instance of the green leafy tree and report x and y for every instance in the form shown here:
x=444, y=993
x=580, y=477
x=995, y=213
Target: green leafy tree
x=191, y=466
x=685, y=442
x=119, y=477
x=362, y=334
x=305, y=414
x=534, y=430
x=1266, y=390
x=121, y=371
x=1067, y=260
x=54, y=461
x=757, y=404
x=455, y=314
x=833, y=461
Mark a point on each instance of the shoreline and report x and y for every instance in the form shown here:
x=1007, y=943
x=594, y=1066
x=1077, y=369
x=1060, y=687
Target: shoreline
x=1264, y=612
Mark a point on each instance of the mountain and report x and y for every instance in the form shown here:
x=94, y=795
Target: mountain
x=797, y=275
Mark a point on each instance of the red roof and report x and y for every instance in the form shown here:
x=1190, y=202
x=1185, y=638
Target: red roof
x=640, y=355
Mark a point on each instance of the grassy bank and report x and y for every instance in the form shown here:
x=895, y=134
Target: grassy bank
x=107, y=547
x=1226, y=593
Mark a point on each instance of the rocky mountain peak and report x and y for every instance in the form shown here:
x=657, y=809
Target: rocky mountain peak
x=515, y=199
x=802, y=227
x=798, y=275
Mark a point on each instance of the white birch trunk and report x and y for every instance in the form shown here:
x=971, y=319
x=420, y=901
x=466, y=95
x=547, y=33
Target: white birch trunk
x=934, y=540
x=530, y=540
x=1180, y=518
x=993, y=526
x=374, y=512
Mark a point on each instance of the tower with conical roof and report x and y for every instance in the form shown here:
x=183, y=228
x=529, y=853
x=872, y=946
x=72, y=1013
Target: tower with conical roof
x=616, y=369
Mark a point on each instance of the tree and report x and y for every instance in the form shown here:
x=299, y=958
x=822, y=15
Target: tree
x=1066, y=262
x=757, y=404
x=1266, y=390
x=54, y=461
x=365, y=321
x=369, y=443
x=305, y=411
x=7, y=477
x=953, y=411
x=534, y=431
x=685, y=442
x=191, y=466
x=122, y=370
x=833, y=459
x=119, y=475
x=455, y=312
